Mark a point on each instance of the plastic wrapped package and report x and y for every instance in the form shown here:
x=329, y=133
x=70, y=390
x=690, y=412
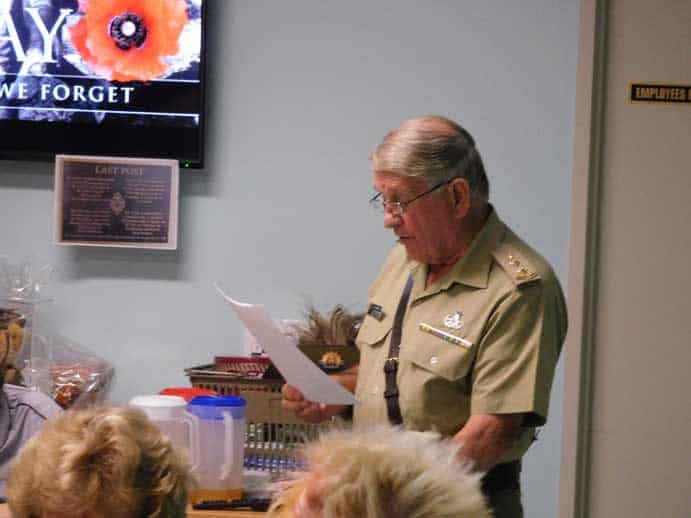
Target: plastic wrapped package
x=80, y=378
x=37, y=358
x=24, y=321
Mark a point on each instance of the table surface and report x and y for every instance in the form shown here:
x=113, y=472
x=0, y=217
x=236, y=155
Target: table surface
x=191, y=513
x=5, y=513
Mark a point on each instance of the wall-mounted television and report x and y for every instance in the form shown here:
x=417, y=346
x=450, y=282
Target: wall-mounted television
x=102, y=77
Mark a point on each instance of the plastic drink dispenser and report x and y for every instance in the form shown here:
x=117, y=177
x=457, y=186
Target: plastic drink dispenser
x=222, y=441
x=189, y=393
x=170, y=414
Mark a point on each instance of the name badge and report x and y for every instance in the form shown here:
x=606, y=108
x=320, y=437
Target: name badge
x=376, y=311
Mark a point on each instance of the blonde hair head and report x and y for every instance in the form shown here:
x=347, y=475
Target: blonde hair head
x=387, y=473
x=110, y=462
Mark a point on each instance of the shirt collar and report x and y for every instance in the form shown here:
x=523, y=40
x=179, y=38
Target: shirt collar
x=474, y=266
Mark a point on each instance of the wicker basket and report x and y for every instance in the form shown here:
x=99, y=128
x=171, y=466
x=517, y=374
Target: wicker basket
x=273, y=434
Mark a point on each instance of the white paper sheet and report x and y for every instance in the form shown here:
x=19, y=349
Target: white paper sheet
x=296, y=368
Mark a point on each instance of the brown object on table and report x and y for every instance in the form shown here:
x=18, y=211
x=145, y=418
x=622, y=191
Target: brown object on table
x=329, y=340
x=69, y=381
x=339, y=328
x=11, y=340
x=193, y=513
x=8, y=315
x=77, y=382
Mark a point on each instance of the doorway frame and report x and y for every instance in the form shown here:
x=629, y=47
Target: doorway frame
x=583, y=253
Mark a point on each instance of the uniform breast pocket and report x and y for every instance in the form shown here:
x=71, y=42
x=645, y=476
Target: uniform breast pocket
x=373, y=332
x=439, y=358
x=435, y=393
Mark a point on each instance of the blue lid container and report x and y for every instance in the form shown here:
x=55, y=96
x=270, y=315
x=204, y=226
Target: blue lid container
x=213, y=407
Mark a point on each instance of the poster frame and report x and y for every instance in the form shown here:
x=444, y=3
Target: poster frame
x=120, y=165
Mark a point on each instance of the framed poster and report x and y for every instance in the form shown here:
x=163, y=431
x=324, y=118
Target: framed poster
x=116, y=202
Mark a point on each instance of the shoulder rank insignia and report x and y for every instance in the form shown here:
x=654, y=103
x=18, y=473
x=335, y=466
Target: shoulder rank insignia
x=518, y=269
x=522, y=273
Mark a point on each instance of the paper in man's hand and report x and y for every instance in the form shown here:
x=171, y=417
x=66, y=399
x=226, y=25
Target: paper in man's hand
x=296, y=368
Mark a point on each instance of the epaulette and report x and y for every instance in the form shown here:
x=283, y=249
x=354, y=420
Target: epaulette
x=517, y=268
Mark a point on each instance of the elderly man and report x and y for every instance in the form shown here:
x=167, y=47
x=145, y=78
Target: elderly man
x=465, y=321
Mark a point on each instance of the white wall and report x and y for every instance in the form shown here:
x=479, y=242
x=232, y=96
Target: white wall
x=631, y=366
x=298, y=94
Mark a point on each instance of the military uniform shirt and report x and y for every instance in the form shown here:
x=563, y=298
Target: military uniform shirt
x=483, y=339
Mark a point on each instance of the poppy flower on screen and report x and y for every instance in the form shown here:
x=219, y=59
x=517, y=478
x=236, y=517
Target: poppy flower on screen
x=128, y=40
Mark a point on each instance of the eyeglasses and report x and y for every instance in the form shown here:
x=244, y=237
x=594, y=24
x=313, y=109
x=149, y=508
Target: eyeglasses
x=379, y=204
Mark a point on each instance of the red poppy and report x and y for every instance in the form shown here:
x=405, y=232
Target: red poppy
x=127, y=40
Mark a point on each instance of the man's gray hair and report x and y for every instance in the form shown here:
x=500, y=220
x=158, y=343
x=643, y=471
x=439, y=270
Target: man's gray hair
x=435, y=149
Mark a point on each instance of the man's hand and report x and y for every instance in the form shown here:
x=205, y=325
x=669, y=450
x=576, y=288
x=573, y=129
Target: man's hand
x=295, y=401
x=487, y=437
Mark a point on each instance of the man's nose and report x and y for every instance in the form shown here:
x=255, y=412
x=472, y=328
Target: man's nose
x=391, y=220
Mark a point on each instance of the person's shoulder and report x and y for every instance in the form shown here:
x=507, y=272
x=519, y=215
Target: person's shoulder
x=398, y=257
x=397, y=266
x=520, y=264
x=396, y=261
x=31, y=400
x=395, y=270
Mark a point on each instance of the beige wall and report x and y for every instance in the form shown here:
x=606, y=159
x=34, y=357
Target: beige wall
x=629, y=367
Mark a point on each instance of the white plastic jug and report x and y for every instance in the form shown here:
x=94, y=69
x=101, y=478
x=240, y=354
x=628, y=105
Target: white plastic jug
x=170, y=414
x=222, y=439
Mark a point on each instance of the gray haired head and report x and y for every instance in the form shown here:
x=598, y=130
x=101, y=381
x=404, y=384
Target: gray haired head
x=435, y=149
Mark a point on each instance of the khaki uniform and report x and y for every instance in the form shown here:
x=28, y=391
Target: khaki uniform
x=493, y=328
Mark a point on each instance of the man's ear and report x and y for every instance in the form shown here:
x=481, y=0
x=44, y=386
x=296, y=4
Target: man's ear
x=460, y=197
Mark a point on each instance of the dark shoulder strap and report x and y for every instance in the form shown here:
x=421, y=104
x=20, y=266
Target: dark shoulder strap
x=393, y=409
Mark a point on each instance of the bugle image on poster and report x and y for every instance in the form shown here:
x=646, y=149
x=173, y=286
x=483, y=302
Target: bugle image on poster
x=117, y=202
